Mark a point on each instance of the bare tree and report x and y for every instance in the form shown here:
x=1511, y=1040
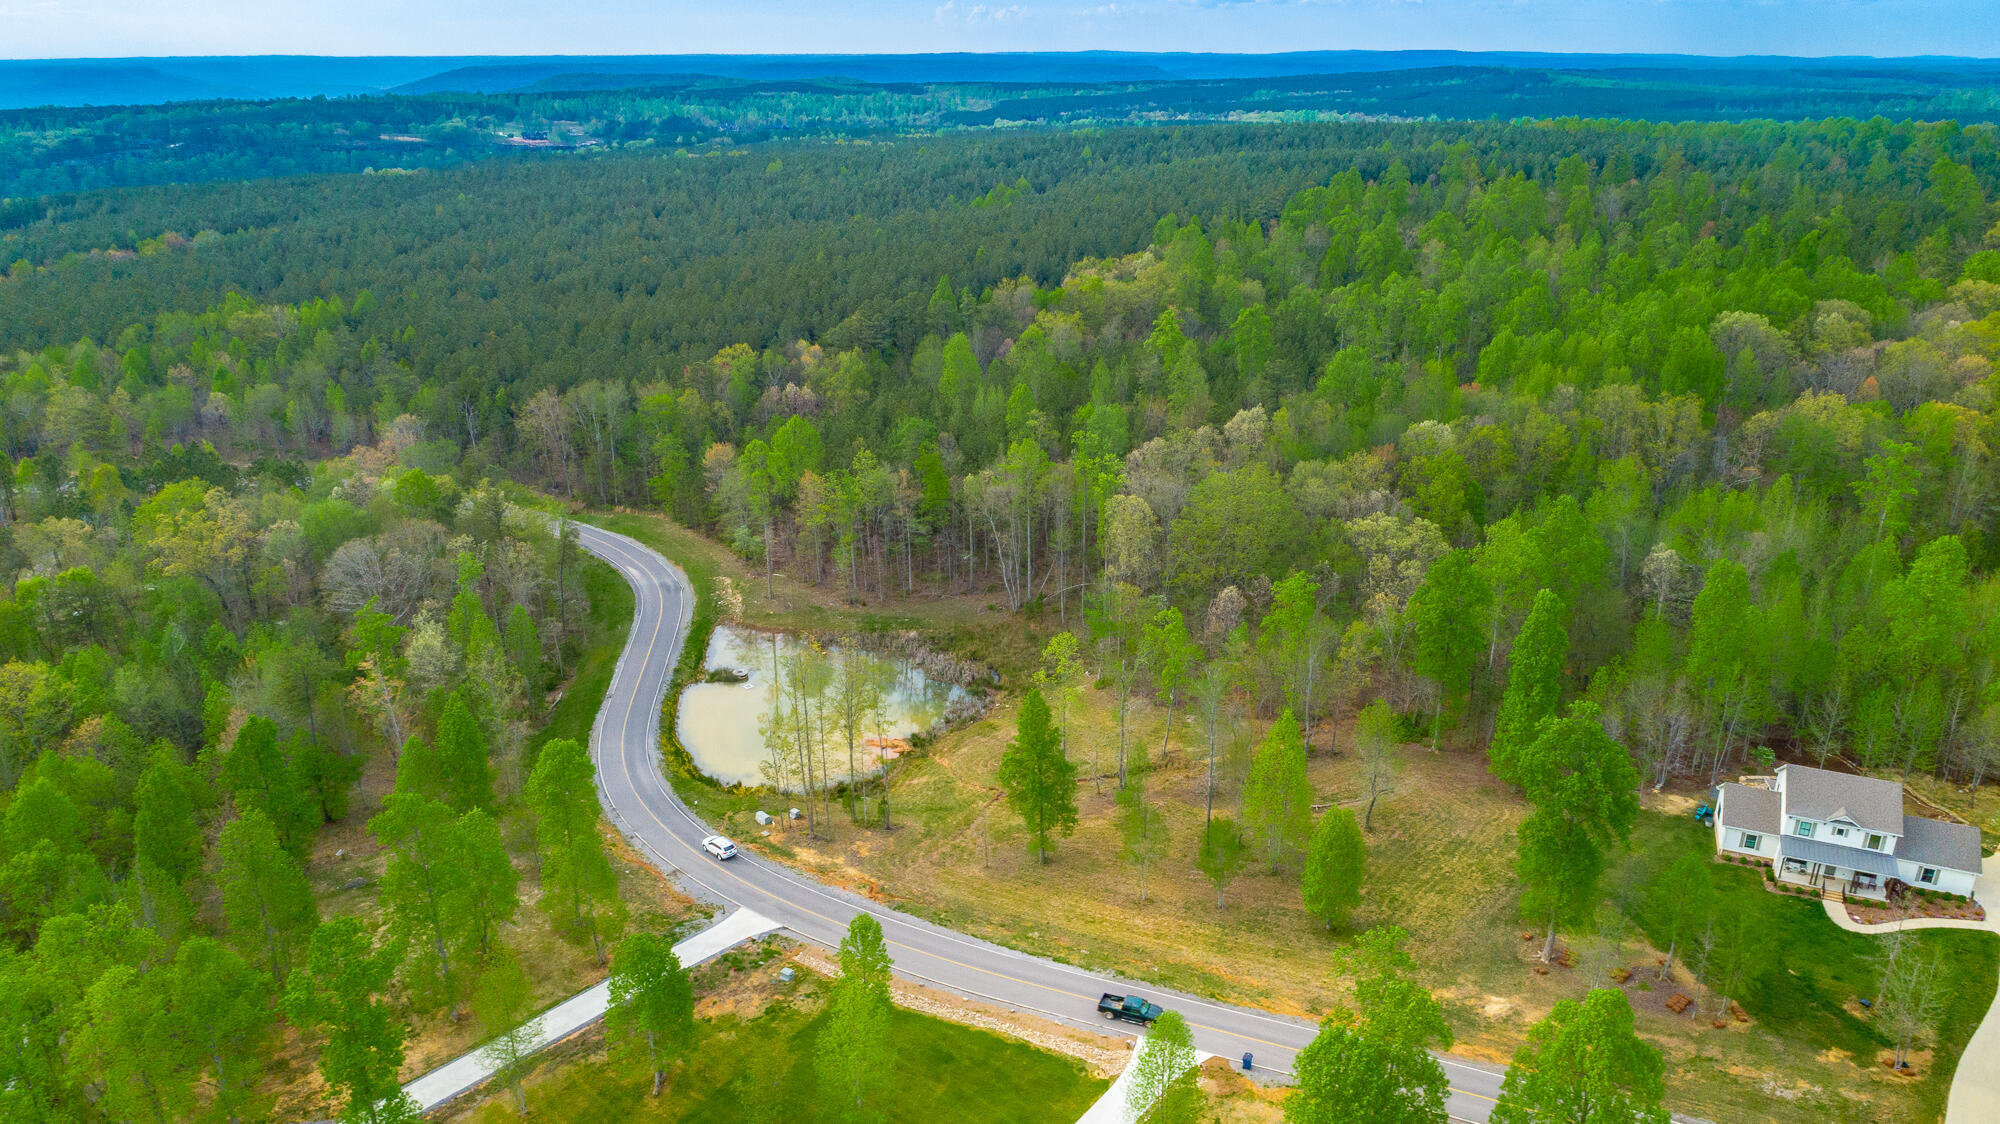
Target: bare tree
x=1911, y=998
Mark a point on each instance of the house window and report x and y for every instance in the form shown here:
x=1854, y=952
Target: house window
x=1804, y=828
x=1840, y=833
x=1874, y=841
x=1751, y=841
x=1927, y=875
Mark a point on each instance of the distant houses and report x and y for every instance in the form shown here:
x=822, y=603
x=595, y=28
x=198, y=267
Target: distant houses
x=1837, y=831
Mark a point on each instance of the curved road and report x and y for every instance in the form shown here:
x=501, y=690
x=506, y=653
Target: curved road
x=625, y=745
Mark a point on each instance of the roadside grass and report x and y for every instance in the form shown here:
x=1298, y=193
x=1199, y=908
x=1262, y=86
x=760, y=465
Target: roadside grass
x=758, y=1066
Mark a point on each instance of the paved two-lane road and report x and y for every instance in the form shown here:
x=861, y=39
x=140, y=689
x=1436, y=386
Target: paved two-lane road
x=625, y=745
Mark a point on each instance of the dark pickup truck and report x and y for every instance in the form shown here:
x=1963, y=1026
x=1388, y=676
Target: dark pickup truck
x=1131, y=1008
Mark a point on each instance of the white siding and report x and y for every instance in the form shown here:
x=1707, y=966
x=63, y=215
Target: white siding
x=1950, y=881
x=1731, y=839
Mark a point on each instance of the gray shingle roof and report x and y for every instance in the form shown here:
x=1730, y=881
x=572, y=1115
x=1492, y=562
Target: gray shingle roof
x=1833, y=854
x=1747, y=808
x=1821, y=794
x=1954, y=846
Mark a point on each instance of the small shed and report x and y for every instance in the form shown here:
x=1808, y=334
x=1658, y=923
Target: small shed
x=764, y=817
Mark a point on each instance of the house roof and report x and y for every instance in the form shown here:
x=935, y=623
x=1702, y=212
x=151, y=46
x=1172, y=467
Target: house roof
x=1954, y=846
x=1833, y=854
x=1750, y=809
x=1821, y=794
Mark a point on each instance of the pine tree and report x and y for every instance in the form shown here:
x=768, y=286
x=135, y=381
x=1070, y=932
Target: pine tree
x=1534, y=683
x=1332, y=881
x=1040, y=783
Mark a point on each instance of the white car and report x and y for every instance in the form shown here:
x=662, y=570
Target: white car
x=719, y=847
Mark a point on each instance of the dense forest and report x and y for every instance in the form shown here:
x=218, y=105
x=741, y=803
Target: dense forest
x=1694, y=421
x=439, y=122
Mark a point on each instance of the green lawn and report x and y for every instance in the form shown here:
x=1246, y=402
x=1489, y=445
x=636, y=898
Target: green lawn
x=1807, y=972
x=759, y=1070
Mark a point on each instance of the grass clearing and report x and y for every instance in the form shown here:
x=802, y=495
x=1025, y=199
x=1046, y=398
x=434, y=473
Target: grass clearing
x=753, y=1062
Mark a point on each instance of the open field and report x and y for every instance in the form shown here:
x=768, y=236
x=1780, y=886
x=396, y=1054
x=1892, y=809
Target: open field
x=753, y=1062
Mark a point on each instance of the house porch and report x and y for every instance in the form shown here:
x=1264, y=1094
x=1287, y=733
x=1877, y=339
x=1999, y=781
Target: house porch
x=1827, y=876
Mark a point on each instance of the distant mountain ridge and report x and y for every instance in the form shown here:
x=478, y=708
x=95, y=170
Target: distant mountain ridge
x=145, y=81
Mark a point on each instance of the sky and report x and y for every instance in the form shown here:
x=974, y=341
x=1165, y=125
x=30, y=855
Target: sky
x=107, y=28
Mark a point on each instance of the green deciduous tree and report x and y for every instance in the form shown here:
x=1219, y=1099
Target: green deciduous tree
x=1222, y=854
x=1584, y=1065
x=427, y=894
x=1534, y=683
x=1681, y=899
x=1583, y=788
x=334, y=998
x=579, y=887
x=257, y=772
x=1277, y=799
x=1040, y=782
x=464, y=765
x=266, y=899
x=854, y=1052
x=1163, y=1069
x=1445, y=618
x=652, y=1002
x=503, y=1000
x=1331, y=884
x=1170, y=654
x=165, y=831
x=1371, y=1059
x=221, y=1013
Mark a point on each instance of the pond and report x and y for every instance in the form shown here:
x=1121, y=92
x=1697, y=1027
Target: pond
x=718, y=721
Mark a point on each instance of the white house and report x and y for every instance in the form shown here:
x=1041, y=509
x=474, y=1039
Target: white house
x=1837, y=831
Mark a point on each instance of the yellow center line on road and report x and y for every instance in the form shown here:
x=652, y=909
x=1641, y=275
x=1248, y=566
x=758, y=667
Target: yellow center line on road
x=625, y=763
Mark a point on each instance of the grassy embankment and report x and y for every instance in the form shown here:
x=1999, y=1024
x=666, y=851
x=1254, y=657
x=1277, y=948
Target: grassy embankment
x=346, y=867
x=752, y=1061
x=1440, y=864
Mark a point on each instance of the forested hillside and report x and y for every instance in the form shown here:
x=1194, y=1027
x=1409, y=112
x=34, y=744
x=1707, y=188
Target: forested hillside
x=527, y=107
x=1356, y=392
